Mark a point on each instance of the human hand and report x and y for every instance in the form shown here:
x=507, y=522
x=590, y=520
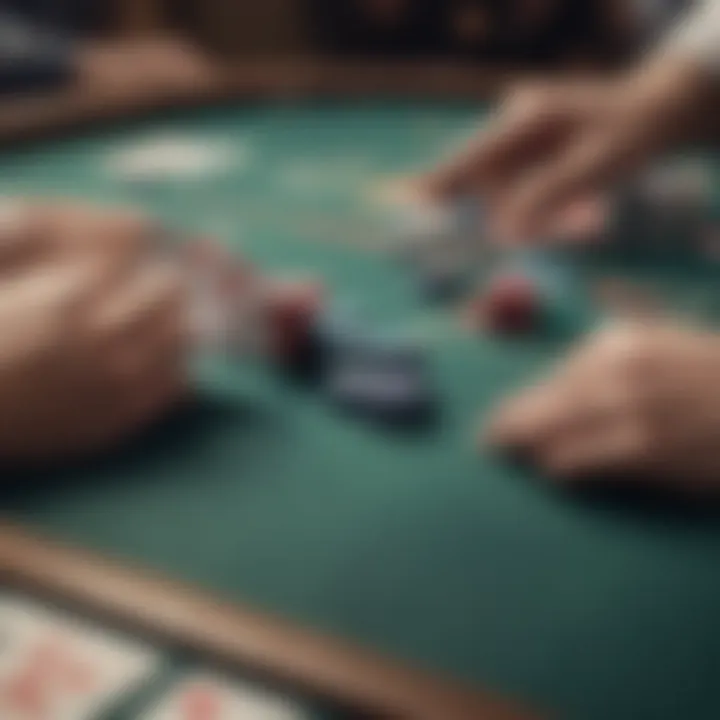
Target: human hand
x=553, y=148
x=638, y=398
x=38, y=230
x=91, y=349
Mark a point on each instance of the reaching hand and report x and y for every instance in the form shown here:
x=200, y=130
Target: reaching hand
x=636, y=398
x=553, y=148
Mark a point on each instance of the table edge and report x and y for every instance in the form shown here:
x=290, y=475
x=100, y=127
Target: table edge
x=140, y=601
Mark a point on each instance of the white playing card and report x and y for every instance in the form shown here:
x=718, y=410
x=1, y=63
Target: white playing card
x=205, y=697
x=55, y=667
x=226, y=312
x=175, y=156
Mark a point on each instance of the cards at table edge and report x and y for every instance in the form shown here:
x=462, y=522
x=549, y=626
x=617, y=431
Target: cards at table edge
x=127, y=664
x=237, y=700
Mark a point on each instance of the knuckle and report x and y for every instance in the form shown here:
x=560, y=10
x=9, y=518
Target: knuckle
x=114, y=230
x=634, y=361
x=631, y=352
x=530, y=99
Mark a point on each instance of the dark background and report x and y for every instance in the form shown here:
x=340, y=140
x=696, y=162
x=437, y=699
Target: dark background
x=544, y=31
x=523, y=30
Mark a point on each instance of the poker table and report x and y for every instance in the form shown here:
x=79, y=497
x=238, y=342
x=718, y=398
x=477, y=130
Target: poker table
x=394, y=573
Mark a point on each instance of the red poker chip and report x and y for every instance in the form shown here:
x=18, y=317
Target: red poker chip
x=509, y=305
x=291, y=312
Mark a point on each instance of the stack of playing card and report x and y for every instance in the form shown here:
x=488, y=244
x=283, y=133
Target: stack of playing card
x=205, y=697
x=226, y=300
x=54, y=667
x=425, y=228
x=443, y=244
x=238, y=312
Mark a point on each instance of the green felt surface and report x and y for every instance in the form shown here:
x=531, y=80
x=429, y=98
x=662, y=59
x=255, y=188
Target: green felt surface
x=413, y=544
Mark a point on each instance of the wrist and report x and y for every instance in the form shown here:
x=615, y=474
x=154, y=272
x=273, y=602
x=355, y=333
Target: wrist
x=679, y=97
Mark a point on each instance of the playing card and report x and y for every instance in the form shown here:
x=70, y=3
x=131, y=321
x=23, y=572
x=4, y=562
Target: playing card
x=204, y=697
x=175, y=156
x=55, y=667
x=226, y=305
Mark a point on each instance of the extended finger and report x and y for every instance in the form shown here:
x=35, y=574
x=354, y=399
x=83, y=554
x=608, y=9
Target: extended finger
x=584, y=170
x=622, y=446
x=145, y=299
x=521, y=130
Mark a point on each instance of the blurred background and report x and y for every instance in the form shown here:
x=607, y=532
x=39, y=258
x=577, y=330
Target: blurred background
x=48, y=43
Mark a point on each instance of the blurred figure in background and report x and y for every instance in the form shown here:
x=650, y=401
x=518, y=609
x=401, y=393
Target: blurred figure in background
x=511, y=31
x=31, y=59
x=380, y=28
x=45, y=46
x=535, y=31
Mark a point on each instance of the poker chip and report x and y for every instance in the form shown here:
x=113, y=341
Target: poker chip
x=510, y=305
x=391, y=391
x=291, y=317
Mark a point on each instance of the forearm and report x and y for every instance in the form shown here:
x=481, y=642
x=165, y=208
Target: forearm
x=679, y=79
x=696, y=37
